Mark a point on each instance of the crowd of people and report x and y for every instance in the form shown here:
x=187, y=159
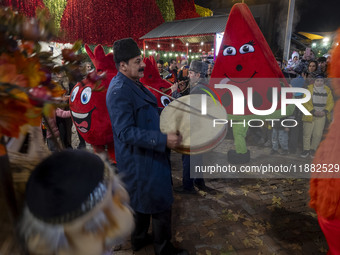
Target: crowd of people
x=309, y=73
x=143, y=151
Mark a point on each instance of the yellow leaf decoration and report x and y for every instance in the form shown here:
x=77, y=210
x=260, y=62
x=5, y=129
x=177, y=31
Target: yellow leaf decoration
x=276, y=201
x=210, y=234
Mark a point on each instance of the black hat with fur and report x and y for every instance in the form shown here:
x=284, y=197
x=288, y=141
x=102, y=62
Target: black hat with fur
x=125, y=49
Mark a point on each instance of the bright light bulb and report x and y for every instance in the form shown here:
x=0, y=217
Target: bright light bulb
x=202, y=43
x=146, y=46
x=190, y=50
x=200, y=50
x=172, y=45
x=187, y=44
x=158, y=45
x=326, y=39
x=170, y=54
x=313, y=44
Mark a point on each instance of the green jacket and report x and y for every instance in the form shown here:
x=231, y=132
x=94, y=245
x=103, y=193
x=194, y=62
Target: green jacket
x=309, y=105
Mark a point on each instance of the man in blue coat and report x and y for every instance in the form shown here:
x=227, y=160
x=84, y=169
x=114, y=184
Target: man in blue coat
x=141, y=150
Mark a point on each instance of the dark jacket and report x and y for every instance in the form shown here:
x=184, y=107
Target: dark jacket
x=141, y=153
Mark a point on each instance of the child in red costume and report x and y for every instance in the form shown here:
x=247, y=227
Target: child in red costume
x=325, y=186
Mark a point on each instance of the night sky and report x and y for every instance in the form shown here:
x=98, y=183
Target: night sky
x=318, y=15
x=314, y=15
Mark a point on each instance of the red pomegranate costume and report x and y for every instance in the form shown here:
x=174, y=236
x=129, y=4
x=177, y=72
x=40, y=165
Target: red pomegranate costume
x=245, y=61
x=88, y=104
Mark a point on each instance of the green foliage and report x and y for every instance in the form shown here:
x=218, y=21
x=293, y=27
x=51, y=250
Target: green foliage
x=167, y=9
x=56, y=8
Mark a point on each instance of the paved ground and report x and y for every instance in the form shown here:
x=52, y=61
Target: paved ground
x=237, y=216
x=246, y=216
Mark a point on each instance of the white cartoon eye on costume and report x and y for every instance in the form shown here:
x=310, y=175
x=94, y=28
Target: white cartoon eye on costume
x=229, y=51
x=74, y=93
x=165, y=100
x=247, y=48
x=86, y=95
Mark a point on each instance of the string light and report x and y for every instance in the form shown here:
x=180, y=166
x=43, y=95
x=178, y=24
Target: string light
x=172, y=45
x=187, y=44
x=158, y=45
x=146, y=46
x=202, y=43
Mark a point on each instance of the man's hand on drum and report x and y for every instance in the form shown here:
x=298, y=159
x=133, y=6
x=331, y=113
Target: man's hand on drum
x=173, y=140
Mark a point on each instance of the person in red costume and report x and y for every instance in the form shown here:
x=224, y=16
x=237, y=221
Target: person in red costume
x=88, y=103
x=325, y=186
x=152, y=79
x=245, y=61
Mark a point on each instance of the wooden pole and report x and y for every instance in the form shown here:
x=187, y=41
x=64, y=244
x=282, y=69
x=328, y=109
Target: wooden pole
x=289, y=28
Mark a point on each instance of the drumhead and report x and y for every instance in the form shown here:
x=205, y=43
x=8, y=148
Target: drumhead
x=184, y=115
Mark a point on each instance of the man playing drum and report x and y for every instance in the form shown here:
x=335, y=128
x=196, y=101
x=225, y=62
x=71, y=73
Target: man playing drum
x=141, y=150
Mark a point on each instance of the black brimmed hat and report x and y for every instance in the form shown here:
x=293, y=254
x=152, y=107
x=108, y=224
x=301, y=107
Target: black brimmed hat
x=320, y=76
x=198, y=67
x=66, y=185
x=125, y=49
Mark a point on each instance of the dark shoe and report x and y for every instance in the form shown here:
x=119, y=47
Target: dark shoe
x=312, y=153
x=284, y=152
x=178, y=251
x=139, y=244
x=273, y=152
x=182, y=190
x=304, y=154
x=200, y=186
x=238, y=158
x=206, y=189
x=169, y=249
